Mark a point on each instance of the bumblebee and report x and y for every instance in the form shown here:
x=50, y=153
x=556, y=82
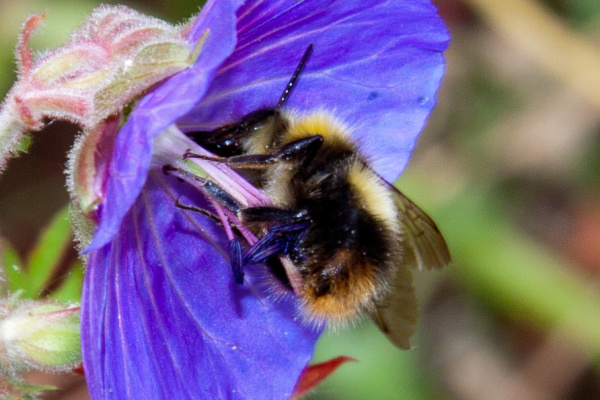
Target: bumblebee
x=351, y=236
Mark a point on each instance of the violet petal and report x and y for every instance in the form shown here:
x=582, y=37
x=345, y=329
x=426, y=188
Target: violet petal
x=376, y=64
x=159, y=109
x=163, y=318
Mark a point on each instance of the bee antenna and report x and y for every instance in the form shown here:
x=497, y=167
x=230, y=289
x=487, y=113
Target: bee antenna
x=294, y=78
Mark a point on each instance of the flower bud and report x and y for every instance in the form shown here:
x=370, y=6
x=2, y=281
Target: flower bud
x=40, y=335
x=88, y=165
x=115, y=56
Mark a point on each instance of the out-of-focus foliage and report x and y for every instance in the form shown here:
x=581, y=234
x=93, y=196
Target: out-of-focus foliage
x=35, y=276
x=40, y=273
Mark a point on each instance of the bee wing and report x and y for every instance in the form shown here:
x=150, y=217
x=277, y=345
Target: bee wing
x=397, y=314
x=424, y=245
x=424, y=248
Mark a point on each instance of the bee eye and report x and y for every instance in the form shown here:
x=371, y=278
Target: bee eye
x=302, y=214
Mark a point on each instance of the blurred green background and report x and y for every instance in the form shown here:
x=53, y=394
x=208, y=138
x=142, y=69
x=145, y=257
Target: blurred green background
x=508, y=166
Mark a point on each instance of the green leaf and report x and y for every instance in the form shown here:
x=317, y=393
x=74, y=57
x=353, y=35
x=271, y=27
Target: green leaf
x=55, y=240
x=12, y=265
x=70, y=289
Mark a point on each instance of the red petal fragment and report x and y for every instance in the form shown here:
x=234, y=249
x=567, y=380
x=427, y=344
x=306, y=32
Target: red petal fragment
x=79, y=370
x=312, y=375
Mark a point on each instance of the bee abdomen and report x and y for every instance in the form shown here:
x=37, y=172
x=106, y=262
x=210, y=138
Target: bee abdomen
x=342, y=287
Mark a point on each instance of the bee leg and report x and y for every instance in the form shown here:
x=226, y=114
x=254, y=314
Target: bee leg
x=219, y=198
x=280, y=240
x=271, y=214
x=209, y=187
x=248, y=161
x=199, y=210
x=202, y=211
x=262, y=250
x=235, y=248
x=299, y=151
x=291, y=227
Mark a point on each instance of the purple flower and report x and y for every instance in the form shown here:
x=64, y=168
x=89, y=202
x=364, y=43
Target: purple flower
x=161, y=314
